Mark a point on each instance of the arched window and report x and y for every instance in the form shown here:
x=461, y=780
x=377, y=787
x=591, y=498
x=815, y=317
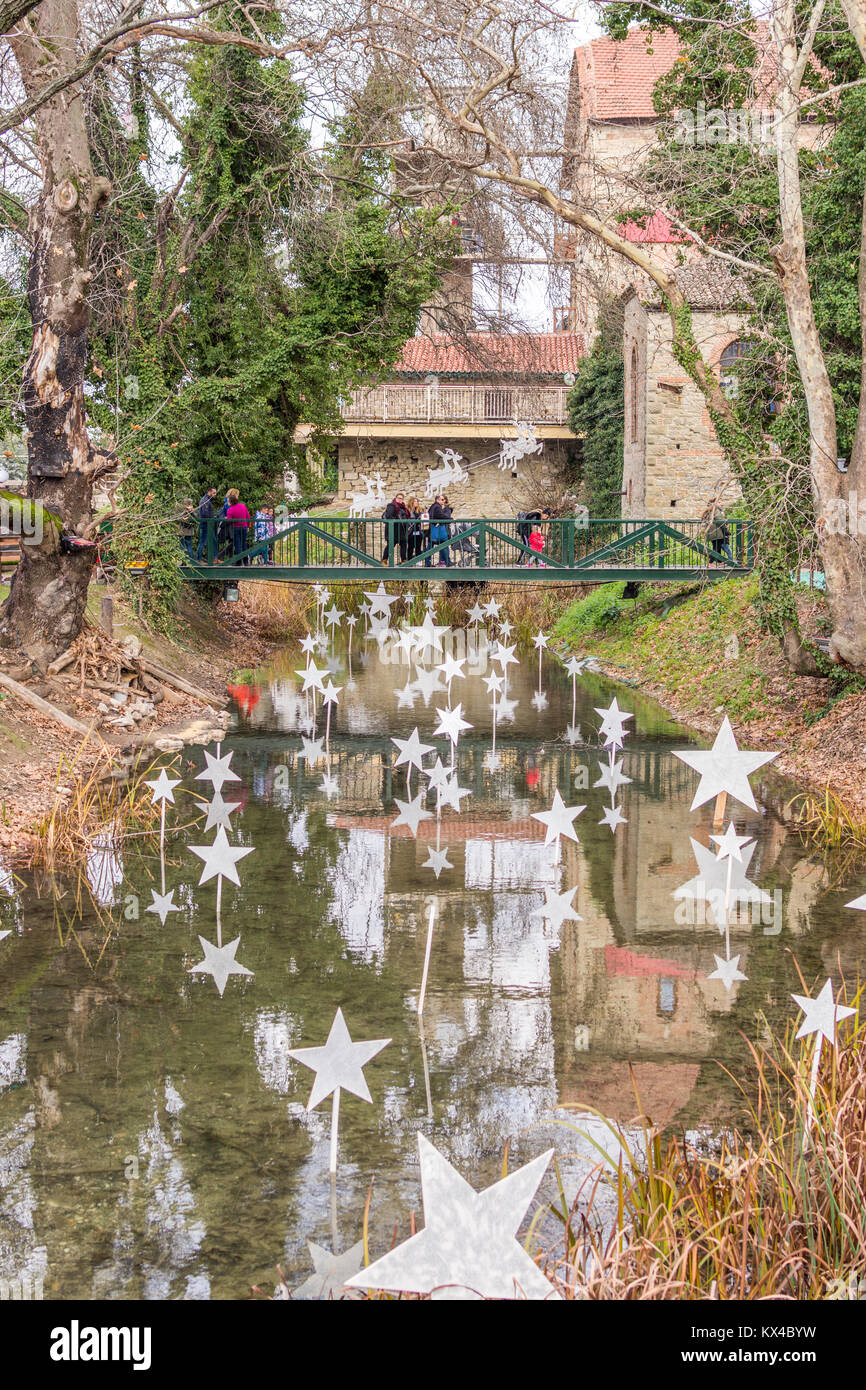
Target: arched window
x=728, y=366
x=633, y=396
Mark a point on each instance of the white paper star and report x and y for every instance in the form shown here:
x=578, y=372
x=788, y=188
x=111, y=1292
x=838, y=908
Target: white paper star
x=492, y=609
x=407, y=696
x=612, y=816
x=411, y=813
x=724, y=768
x=437, y=860
x=380, y=601
x=540, y=641
x=331, y=1272
x=859, y=903
x=220, y=962
x=468, y=1245
x=217, y=771
x=494, y=682
x=340, y=1063
x=612, y=722
x=612, y=777
x=505, y=629
x=557, y=907
x=711, y=882
x=380, y=627
x=451, y=723
x=574, y=666
x=427, y=683
x=727, y=971
x=220, y=858
x=406, y=641
x=453, y=666
x=559, y=820
x=330, y=693
x=162, y=905
x=4, y=934
x=476, y=614
x=429, y=634
x=311, y=676
x=730, y=844
x=822, y=1014
x=450, y=794
x=505, y=710
x=505, y=656
x=312, y=750
x=438, y=774
x=308, y=645
x=412, y=750
x=163, y=787
x=219, y=811
x=333, y=615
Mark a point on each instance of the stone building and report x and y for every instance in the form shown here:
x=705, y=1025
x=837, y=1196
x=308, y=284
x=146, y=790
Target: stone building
x=672, y=458
x=465, y=395
x=673, y=463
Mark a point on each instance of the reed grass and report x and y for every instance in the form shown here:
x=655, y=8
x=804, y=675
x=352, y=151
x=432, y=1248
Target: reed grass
x=827, y=823
x=90, y=804
x=775, y=1210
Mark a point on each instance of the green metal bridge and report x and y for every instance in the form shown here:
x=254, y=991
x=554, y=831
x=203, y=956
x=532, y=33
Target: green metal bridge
x=576, y=550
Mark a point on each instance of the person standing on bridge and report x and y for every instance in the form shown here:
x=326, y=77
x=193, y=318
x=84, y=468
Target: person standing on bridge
x=718, y=534
x=416, y=527
x=398, y=512
x=440, y=515
x=238, y=520
x=205, y=514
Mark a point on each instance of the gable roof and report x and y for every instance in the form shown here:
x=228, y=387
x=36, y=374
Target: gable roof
x=492, y=354
x=615, y=77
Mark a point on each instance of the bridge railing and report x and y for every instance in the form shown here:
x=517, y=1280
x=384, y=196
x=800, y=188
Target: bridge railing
x=570, y=543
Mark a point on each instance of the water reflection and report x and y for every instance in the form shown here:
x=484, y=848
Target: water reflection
x=154, y=1140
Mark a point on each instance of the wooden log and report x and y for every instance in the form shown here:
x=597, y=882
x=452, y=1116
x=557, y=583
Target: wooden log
x=36, y=702
x=60, y=662
x=169, y=678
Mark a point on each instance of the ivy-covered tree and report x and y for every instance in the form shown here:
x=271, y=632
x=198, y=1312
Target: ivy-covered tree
x=596, y=413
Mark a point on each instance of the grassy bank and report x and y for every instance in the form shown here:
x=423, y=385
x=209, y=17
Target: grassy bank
x=702, y=653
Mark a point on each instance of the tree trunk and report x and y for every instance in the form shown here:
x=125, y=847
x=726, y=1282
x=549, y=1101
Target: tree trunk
x=45, y=609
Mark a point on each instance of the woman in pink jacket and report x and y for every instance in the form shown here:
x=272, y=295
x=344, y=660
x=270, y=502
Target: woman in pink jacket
x=238, y=519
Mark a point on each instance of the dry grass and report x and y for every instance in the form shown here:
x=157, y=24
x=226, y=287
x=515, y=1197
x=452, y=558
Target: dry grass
x=776, y=1212
x=90, y=805
x=827, y=823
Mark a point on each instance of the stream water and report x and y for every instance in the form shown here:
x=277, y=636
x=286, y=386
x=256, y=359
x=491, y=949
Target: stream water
x=154, y=1137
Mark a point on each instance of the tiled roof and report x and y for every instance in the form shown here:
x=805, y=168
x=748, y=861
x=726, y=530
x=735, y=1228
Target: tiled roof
x=616, y=77
x=708, y=284
x=492, y=354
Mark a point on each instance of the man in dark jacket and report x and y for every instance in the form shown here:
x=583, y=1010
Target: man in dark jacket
x=397, y=511
x=440, y=515
x=205, y=513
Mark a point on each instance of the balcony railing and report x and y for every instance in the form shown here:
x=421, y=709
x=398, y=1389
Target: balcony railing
x=477, y=405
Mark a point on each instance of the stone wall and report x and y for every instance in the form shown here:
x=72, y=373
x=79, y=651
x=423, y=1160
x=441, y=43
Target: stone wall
x=489, y=492
x=674, y=464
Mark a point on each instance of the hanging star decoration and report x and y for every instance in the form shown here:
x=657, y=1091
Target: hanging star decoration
x=822, y=1014
x=411, y=813
x=540, y=641
x=333, y=616
x=712, y=882
x=612, y=724
x=476, y=614
x=468, y=1247
x=438, y=775
x=437, y=860
x=505, y=656
x=412, y=751
x=557, y=908
x=427, y=682
x=452, y=666
x=574, y=666
x=219, y=859
x=450, y=794
x=612, y=777
x=219, y=811
x=612, y=816
x=4, y=934
x=380, y=601
x=340, y=1063
x=429, y=635
x=559, y=820
x=311, y=676
x=330, y=693
x=163, y=787
x=451, y=723
x=312, y=750
x=330, y=1272
x=724, y=768
x=505, y=629
x=728, y=971
x=220, y=962
x=308, y=646
x=494, y=683
x=217, y=771
x=492, y=609
x=858, y=903
x=162, y=905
